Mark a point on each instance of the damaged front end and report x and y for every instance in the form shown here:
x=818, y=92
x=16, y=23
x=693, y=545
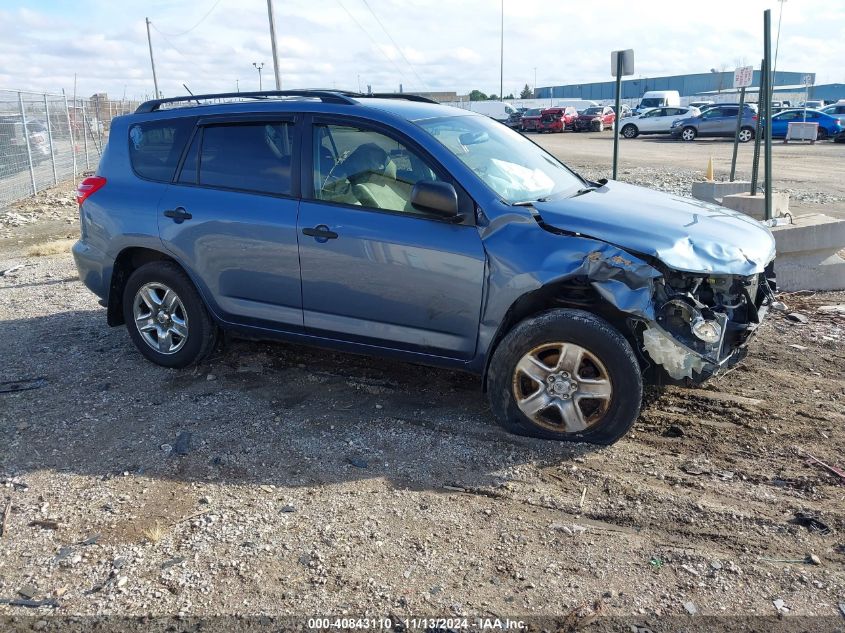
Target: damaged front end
x=703, y=322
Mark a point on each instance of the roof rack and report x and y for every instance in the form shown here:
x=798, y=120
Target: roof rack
x=326, y=96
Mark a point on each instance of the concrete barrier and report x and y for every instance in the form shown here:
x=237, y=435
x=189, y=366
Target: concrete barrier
x=755, y=206
x=807, y=253
x=714, y=191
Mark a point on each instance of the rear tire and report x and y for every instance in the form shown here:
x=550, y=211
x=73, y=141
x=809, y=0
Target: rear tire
x=166, y=317
x=554, y=401
x=745, y=134
x=822, y=134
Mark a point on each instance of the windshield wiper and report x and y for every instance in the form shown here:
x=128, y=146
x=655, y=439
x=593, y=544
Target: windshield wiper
x=529, y=203
x=581, y=192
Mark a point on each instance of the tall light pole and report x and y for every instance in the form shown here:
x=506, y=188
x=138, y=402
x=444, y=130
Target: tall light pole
x=258, y=67
x=535, y=82
x=273, y=42
x=777, y=39
x=502, y=56
x=152, y=60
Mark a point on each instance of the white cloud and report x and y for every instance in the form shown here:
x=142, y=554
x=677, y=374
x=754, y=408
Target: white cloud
x=450, y=45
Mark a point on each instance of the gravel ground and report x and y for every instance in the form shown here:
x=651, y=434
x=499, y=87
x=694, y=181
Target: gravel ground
x=276, y=479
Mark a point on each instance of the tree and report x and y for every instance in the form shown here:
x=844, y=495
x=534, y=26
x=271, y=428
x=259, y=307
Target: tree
x=510, y=96
x=526, y=93
x=477, y=95
x=493, y=97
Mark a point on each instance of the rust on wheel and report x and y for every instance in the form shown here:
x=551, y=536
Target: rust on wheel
x=562, y=387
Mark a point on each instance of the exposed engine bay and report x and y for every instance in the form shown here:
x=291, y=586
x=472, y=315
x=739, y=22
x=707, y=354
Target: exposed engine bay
x=703, y=321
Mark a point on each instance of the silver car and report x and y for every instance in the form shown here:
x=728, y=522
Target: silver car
x=717, y=121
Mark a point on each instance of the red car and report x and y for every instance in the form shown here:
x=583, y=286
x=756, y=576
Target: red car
x=530, y=120
x=595, y=119
x=557, y=119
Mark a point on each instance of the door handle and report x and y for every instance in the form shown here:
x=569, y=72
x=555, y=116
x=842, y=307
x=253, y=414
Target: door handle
x=321, y=232
x=179, y=214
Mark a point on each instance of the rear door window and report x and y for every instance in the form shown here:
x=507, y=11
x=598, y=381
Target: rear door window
x=155, y=147
x=248, y=156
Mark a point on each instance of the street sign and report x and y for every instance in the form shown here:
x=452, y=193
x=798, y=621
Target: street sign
x=807, y=80
x=743, y=76
x=627, y=62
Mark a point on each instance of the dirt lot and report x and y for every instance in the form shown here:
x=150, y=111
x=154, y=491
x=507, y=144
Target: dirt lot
x=276, y=479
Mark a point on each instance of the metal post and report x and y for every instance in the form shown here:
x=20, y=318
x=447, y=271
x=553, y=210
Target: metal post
x=85, y=136
x=755, y=162
x=502, y=56
x=618, y=116
x=152, y=61
x=50, y=140
x=99, y=139
x=28, y=148
x=738, y=128
x=273, y=42
x=767, y=56
x=70, y=134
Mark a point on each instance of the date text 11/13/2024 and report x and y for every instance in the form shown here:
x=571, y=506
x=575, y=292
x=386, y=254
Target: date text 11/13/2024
x=422, y=624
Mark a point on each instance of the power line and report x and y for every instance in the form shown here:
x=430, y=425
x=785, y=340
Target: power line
x=167, y=39
x=374, y=43
x=395, y=45
x=201, y=20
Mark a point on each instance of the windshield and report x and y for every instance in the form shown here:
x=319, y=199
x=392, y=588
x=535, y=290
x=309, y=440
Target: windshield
x=534, y=112
x=655, y=102
x=511, y=165
x=592, y=111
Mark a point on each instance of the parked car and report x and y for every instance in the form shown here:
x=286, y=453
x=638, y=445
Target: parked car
x=595, y=119
x=829, y=126
x=39, y=140
x=626, y=110
x=393, y=226
x=530, y=120
x=656, y=121
x=717, y=121
x=814, y=104
x=701, y=104
x=834, y=109
x=557, y=119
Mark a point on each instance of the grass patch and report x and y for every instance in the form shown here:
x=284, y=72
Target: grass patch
x=154, y=534
x=56, y=247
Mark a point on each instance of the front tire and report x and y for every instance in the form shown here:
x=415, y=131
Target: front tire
x=688, y=134
x=566, y=375
x=166, y=317
x=630, y=131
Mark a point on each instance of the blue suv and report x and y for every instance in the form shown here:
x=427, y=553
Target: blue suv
x=390, y=225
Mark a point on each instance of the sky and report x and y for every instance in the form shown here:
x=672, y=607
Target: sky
x=432, y=45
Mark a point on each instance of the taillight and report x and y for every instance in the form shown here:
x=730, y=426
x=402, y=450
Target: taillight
x=754, y=117
x=87, y=187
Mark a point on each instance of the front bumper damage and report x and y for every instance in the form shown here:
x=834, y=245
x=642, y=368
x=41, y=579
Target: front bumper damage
x=703, y=323
x=687, y=326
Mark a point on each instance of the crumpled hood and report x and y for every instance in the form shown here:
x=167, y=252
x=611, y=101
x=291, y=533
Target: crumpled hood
x=684, y=233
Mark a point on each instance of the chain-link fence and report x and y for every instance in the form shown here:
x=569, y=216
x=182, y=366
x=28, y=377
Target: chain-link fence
x=48, y=138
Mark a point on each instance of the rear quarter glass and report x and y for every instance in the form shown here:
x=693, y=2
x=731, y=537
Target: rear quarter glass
x=155, y=147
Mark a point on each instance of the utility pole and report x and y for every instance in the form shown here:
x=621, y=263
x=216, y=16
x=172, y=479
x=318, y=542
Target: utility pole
x=273, y=42
x=502, y=56
x=259, y=67
x=777, y=39
x=152, y=60
x=767, y=110
x=535, y=82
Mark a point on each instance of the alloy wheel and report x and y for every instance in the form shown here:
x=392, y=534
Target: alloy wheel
x=160, y=317
x=562, y=387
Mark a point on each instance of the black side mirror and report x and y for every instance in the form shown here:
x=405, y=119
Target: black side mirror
x=435, y=197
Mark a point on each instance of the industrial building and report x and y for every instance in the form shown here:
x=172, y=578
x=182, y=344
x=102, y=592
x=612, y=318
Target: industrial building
x=698, y=84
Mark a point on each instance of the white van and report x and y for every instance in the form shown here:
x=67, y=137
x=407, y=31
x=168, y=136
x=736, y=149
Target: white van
x=658, y=99
x=498, y=110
